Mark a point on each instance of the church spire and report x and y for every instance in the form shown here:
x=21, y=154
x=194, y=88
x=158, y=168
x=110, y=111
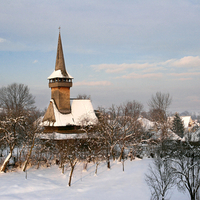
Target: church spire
x=60, y=83
x=60, y=62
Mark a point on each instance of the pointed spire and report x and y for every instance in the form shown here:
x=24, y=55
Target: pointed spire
x=60, y=62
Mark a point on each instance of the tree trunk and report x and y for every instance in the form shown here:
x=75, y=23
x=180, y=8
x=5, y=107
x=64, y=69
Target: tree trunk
x=97, y=164
x=29, y=155
x=6, y=161
x=38, y=165
x=85, y=166
x=63, y=169
x=72, y=164
x=39, y=158
x=121, y=154
x=108, y=162
x=192, y=197
x=70, y=175
x=113, y=155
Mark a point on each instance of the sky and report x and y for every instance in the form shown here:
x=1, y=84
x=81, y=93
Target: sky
x=116, y=50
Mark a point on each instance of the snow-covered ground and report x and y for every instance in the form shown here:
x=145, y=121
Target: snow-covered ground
x=50, y=183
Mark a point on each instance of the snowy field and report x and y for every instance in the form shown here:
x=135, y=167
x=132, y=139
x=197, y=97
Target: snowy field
x=50, y=183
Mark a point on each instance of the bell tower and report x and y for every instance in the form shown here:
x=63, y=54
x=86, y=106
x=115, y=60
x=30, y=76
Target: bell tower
x=61, y=117
x=60, y=82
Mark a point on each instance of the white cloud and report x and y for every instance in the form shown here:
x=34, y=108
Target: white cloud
x=188, y=61
x=156, y=69
x=116, y=68
x=186, y=74
x=92, y=83
x=2, y=40
x=137, y=76
x=35, y=61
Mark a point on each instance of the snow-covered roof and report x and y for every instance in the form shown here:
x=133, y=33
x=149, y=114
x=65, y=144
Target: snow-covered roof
x=186, y=120
x=170, y=135
x=58, y=74
x=193, y=136
x=60, y=136
x=146, y=124
x=82, y=113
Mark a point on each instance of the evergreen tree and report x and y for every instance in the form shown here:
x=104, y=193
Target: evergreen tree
x=177, y=125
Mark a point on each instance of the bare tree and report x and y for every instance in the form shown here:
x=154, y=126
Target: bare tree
x=160, y=179
x=107, y=131
x=83, y=96
x=17, y=103
x=11, y=128
x=130, y=133
x=187, y=168
x=158, y=109
x=31, y=132
x=72, y=151
x=15, y=99
x=160, y=103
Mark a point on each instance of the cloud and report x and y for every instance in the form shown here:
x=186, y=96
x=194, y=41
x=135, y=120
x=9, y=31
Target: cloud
x=186, y=74
x=93, y=83
x=188, y=61
x=116, y=68
x=137, y=76
x=154, y=70
x=194, y=98
x=35, y=61
x=185, y=79
x=2, y=40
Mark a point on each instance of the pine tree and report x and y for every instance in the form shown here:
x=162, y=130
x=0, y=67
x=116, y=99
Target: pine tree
x=177, y=125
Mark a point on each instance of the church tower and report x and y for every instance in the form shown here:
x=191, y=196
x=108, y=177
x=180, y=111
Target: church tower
x=60, y=82
x=62, y=116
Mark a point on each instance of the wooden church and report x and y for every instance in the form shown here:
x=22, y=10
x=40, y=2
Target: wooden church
x=65, y=116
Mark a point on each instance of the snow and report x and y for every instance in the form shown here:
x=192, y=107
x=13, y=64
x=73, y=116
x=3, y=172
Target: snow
x=49, y=183
x=146, y=124
x=170, y=134
x=60, y=136
x=58, y=74
x=186, y=120
x=193, y=136
x=80, y=110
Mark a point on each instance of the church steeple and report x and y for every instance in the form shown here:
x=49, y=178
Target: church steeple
x=60, y=82
x=62, y=117
x=60, y=61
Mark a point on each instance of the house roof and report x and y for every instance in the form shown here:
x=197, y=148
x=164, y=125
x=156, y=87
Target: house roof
x=186, y=120
x=58, y=74
x=146, y=124
x=170, y=135
x=82, y=113
x=60, y=136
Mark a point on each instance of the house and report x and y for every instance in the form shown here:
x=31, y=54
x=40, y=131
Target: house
x=188, y=122
x=65, y=116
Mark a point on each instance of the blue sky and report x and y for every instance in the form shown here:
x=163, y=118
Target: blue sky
x=116, y=50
